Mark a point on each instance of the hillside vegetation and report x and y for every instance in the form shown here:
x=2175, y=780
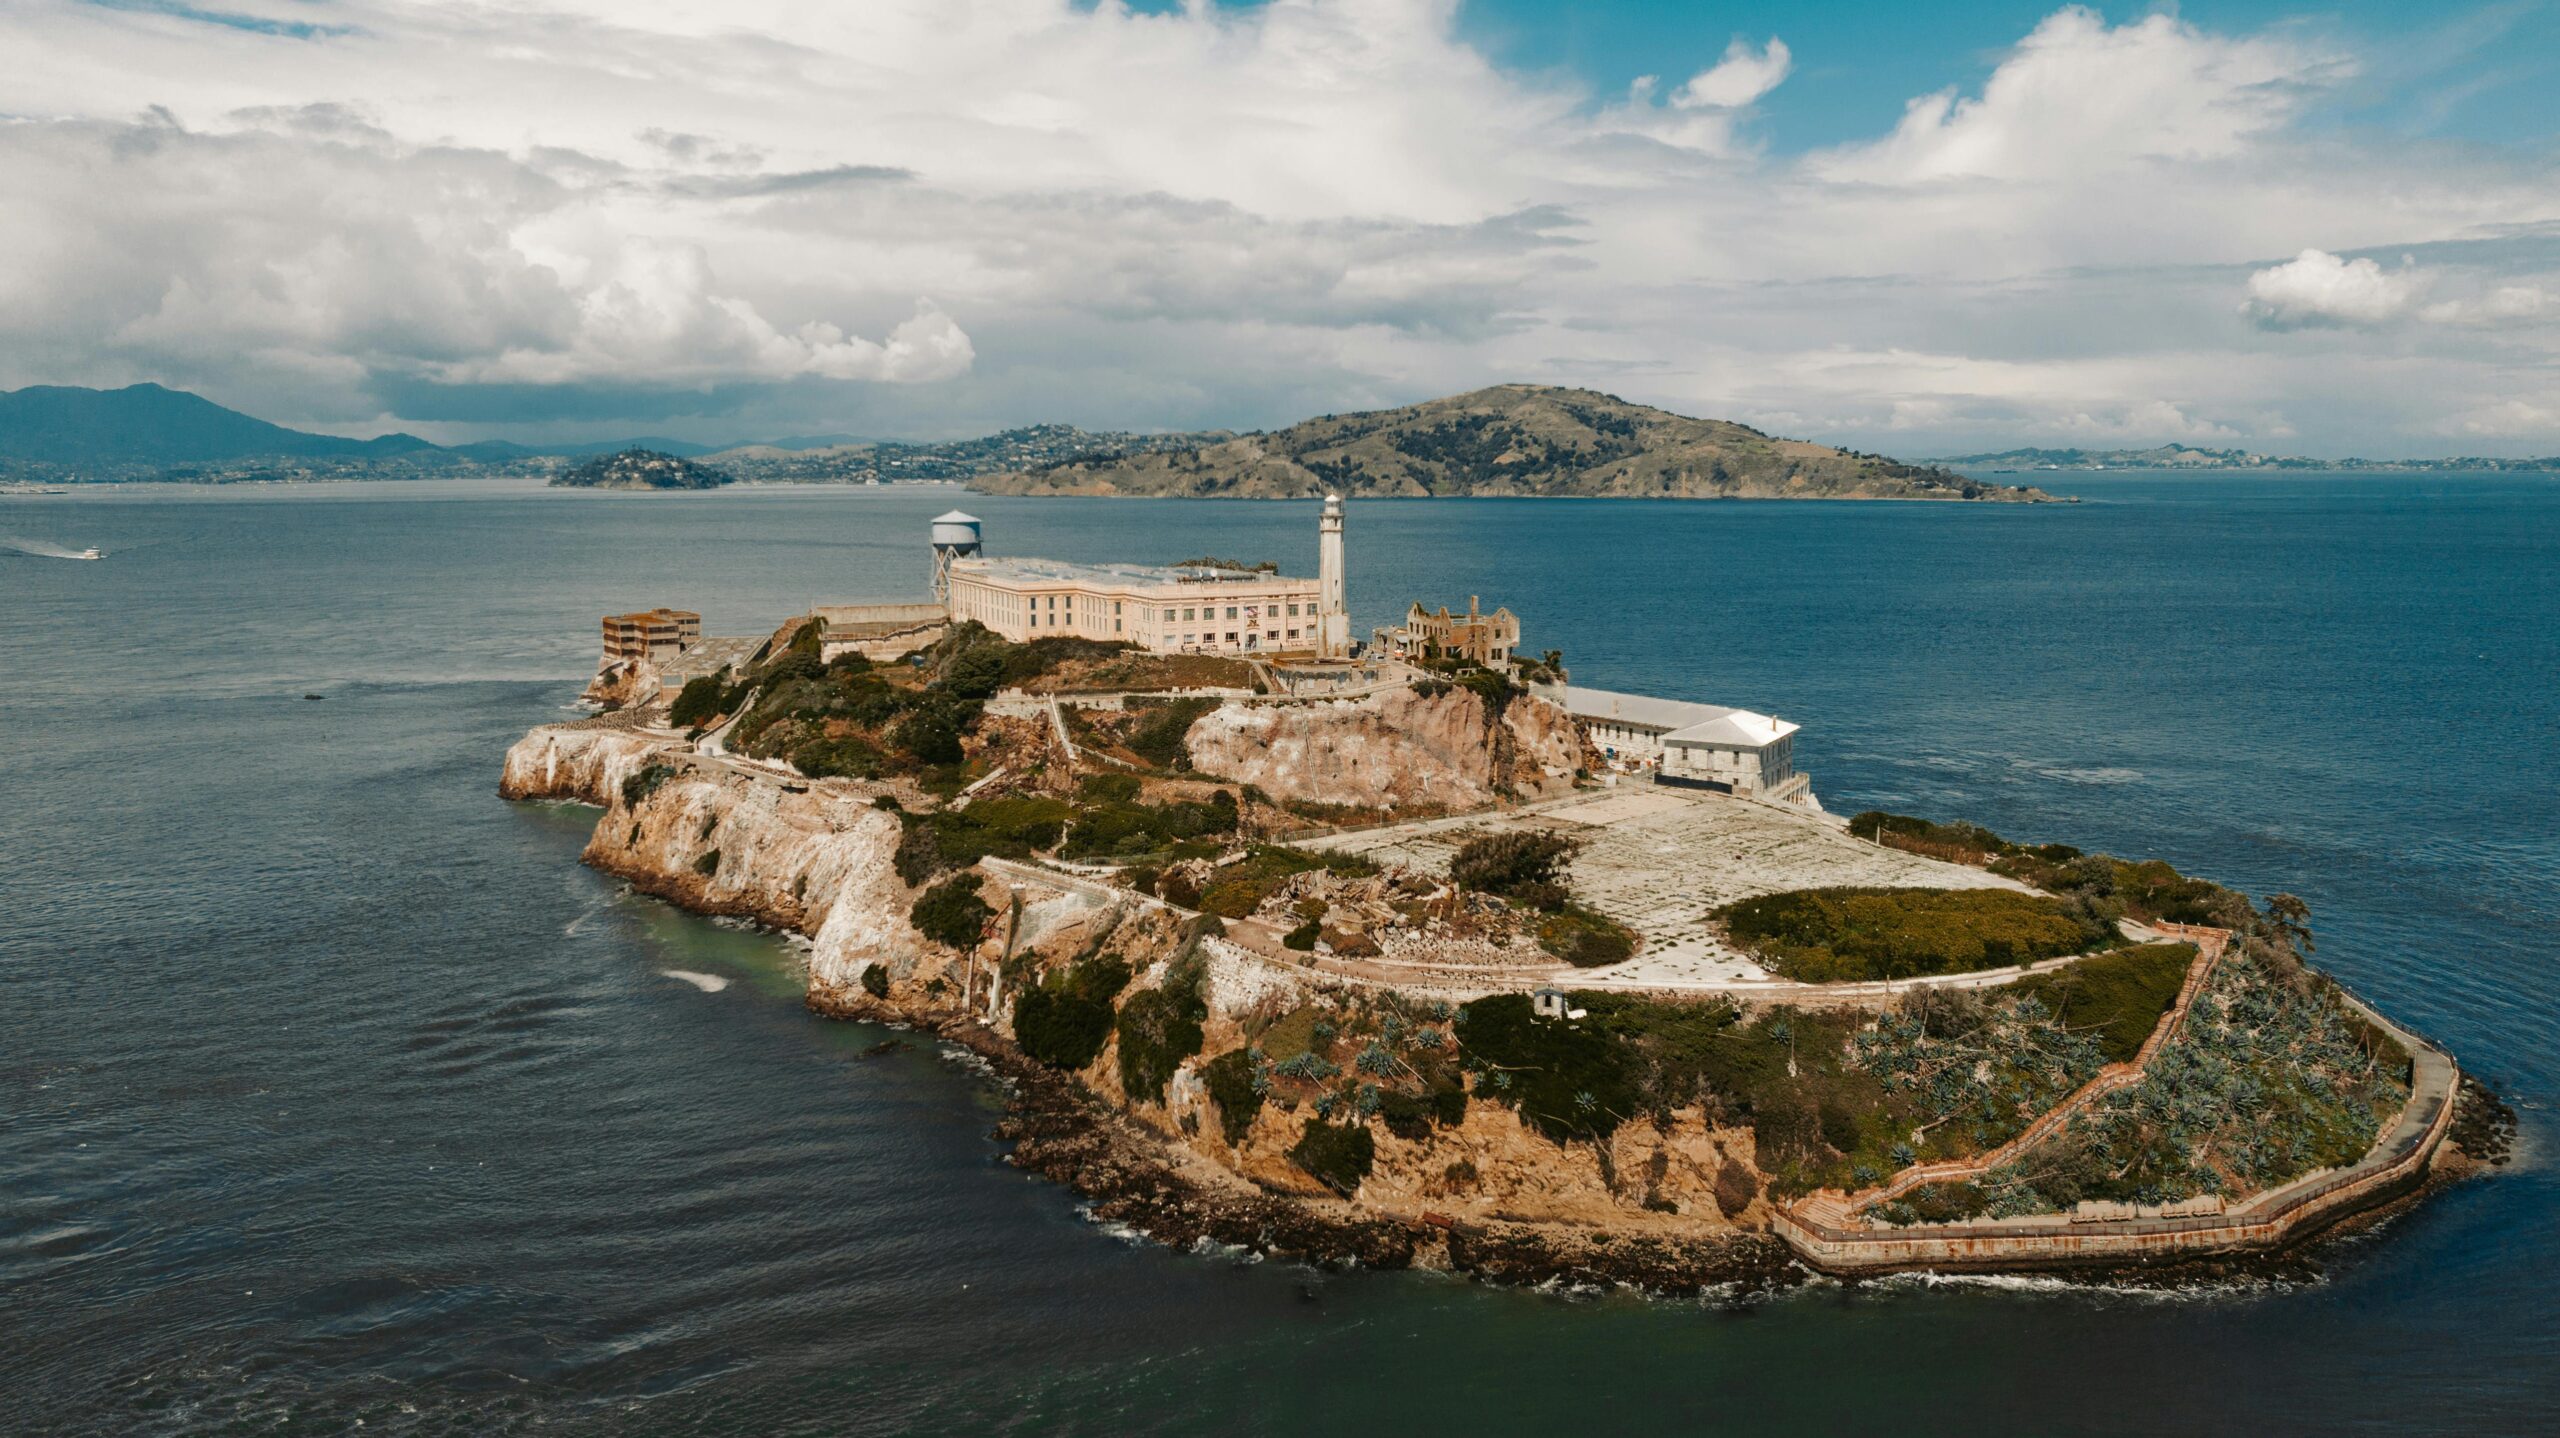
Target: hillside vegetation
x=1514, y=439
x=640, y=469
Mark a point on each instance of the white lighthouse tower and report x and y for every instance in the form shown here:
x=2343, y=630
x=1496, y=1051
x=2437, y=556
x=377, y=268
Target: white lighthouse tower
x=1333, y=615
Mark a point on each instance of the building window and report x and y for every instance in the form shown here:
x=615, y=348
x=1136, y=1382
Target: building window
x=1231, y=613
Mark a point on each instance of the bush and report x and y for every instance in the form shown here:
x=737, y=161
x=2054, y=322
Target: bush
x=1064, y=1020
x=952, y=913
x=1159, y=1028
x=931, y=736
x=641, y=785
x=1303, y=938
x=1568, y=1080
x=2121, y=995
x=708, y=864
x=1584, y=938
x=700, y=699
x=1158, y=738
x=1520, y=863
x=846, y=757
x=875, y=980
x=1338, y=1155
x=1237, y=1088
x=1845, y=934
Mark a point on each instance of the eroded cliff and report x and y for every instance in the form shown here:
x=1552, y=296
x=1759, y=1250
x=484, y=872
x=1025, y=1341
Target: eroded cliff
x=1401, y=748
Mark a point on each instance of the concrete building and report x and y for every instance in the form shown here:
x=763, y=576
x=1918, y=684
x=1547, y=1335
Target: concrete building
x=653, y=634
x=1487, y=639
x=1706, y=746
x=1178, y=609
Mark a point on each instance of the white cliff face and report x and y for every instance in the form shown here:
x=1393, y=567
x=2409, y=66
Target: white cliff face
x=813, y=858
x=1392, y=750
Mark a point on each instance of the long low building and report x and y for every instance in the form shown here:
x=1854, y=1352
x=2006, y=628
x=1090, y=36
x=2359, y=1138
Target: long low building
x=1707, y=746
x=1165, y=609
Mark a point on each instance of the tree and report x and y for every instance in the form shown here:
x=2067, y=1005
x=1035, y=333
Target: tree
x=952, y=913
x=1523, y=864
x=2292, y=918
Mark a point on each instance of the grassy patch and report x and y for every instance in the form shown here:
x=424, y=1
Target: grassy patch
x=1585, y=938
x=1845, y=934
x=2118, y=996
x=1240, y=888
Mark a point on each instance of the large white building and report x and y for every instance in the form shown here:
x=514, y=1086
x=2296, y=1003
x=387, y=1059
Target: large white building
x=1164, y=609
x=1700, y=745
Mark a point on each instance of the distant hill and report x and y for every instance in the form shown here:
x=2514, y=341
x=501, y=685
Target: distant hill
x=1513, y=439
x=2181, y=456
x=145, y=424
x=640, y=469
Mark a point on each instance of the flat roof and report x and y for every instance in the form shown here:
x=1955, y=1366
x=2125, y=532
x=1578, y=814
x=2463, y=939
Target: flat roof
x=1015, y=570
x=1681, y=721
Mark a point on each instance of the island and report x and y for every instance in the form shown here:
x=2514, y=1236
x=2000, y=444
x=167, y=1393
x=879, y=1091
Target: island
x=1506, y=440
x=640, y=469
x=1414, y=951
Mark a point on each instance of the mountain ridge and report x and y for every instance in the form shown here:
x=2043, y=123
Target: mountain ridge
x=1506, y=440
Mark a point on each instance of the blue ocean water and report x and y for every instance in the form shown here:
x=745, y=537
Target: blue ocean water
x=336, y=1092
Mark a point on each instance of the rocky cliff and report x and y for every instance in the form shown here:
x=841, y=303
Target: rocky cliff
x=1399, y=749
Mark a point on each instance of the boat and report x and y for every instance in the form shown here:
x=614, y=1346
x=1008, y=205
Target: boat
x=92, y=552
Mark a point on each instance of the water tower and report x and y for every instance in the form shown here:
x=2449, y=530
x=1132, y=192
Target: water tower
x=955, y=536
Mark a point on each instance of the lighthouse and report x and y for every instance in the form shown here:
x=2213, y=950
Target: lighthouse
x=1333, y=615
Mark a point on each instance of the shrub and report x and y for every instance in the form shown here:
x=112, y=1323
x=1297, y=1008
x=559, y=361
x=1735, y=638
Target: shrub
x=1846, y=934
x=931, y=736
x=875, y=980
x=1064, y=1020
x=1159, y=1029
x=1235, y=1086
x=1303, y=938
x=646, y=782
x=1515, y=863
x=1568, y=1080
x=847, y=757
x=1110, y=788
x=700, y=699
x=952, y=913
x=2121, y=995
x=1735, y=1188
x=974, y=673
x=1158, y=738
x=709, y=863
x=1584, y=938
x=1338, y=1155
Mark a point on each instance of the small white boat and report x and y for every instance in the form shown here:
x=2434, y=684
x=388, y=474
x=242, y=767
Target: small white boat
x=92, y=552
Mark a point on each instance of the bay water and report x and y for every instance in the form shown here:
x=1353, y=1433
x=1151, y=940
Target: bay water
x=334, y=1094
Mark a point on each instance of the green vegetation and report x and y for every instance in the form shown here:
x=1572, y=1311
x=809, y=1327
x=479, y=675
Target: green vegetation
x=1240, y=888
x=1064, y=1020
x=1158, y=735
x=1124, y=828
x=946, y=839
x=2271, y=1077
x=1845, y=934
x=875, y=980
x=1527, y=867
x=1338, y=1155
x=2101, y=889
x=645, y=782
x=708, y=864
x=2118, y=996
x=700, y=699
x=952, y=913
x=1160, y=1027
x=1236, y=1082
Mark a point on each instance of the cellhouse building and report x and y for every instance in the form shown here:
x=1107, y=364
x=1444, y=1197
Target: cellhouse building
x=1165, y=609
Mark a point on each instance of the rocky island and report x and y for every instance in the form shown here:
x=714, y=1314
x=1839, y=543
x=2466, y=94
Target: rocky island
x=1513, y=440
x=1417, y=953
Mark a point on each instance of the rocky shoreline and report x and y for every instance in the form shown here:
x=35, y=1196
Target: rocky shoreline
x=1064, y=1133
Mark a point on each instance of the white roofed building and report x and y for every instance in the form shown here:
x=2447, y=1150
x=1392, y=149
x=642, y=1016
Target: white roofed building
x=1707, y=746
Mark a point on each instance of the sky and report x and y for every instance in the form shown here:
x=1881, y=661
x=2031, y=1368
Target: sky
x=1921, y=230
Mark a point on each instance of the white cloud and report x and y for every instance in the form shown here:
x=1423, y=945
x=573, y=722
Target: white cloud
x=2318, y=288
x=1230, y=215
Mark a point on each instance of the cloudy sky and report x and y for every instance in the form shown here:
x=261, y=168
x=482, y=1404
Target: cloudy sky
x=1908, y=228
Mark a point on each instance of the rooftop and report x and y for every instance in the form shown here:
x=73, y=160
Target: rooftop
x=1681, y=721
x=1012, y=570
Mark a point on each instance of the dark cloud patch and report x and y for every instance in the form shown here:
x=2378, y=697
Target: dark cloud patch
x=789, y=182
